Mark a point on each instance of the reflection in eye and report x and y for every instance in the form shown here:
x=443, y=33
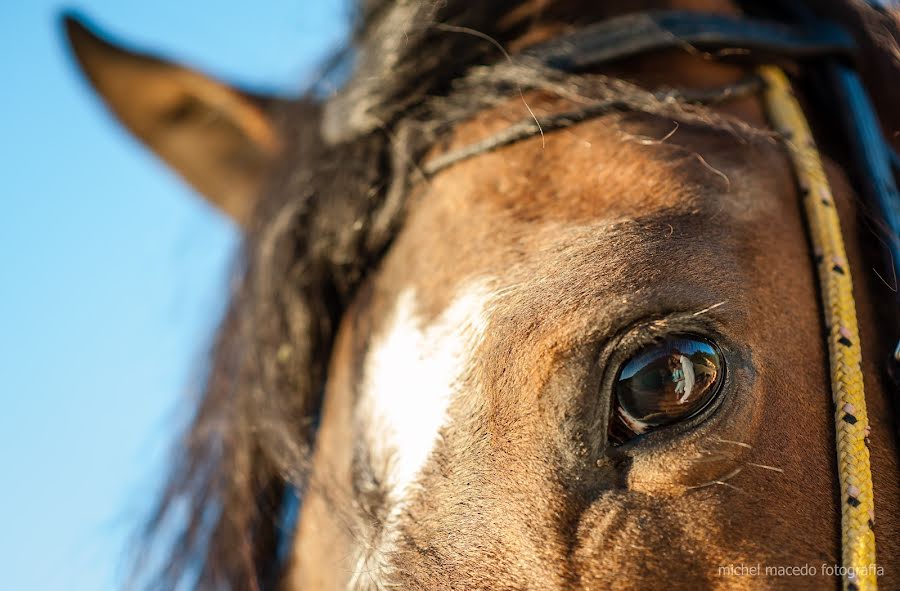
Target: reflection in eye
x=666, y=382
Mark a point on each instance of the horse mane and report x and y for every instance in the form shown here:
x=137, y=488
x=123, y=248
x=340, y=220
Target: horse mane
x=322, y=224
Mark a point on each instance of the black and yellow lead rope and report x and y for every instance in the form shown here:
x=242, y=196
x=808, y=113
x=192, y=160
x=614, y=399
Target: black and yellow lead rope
x=850, y=418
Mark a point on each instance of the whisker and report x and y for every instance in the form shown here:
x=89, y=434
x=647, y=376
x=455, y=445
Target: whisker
x=713, y=456
x=721, y=481
x=892, y=286
x=670, y=134
x=499, y=46
x=710, y=308
x=738, y=443
x=764, y=467
x=649, y=141
x=714, y=170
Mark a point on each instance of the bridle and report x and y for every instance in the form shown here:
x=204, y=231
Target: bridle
x=831, y=51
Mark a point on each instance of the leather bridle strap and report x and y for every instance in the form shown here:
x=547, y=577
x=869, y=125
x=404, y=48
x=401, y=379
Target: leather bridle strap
x=631, y=35
x=635, y=34
x=544, y=124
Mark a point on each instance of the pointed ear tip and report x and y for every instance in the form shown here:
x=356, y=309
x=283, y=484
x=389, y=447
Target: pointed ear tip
x=79, y=32
x=73, y=24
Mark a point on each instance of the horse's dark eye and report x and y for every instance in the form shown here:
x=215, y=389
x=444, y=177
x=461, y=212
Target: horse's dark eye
x=663, y=383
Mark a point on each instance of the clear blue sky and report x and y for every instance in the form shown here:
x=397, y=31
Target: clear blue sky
x=112, y=274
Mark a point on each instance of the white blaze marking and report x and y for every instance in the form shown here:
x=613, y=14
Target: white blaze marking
x=412, y=372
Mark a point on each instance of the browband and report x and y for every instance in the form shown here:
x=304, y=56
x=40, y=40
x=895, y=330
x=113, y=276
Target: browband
x=635, y=34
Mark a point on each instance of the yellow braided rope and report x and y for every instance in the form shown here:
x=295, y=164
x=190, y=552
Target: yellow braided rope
x=850, y=418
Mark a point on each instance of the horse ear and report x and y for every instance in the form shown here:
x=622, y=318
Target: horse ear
x=219, y=139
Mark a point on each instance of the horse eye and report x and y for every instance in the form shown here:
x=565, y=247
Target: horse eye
x=663, y=383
